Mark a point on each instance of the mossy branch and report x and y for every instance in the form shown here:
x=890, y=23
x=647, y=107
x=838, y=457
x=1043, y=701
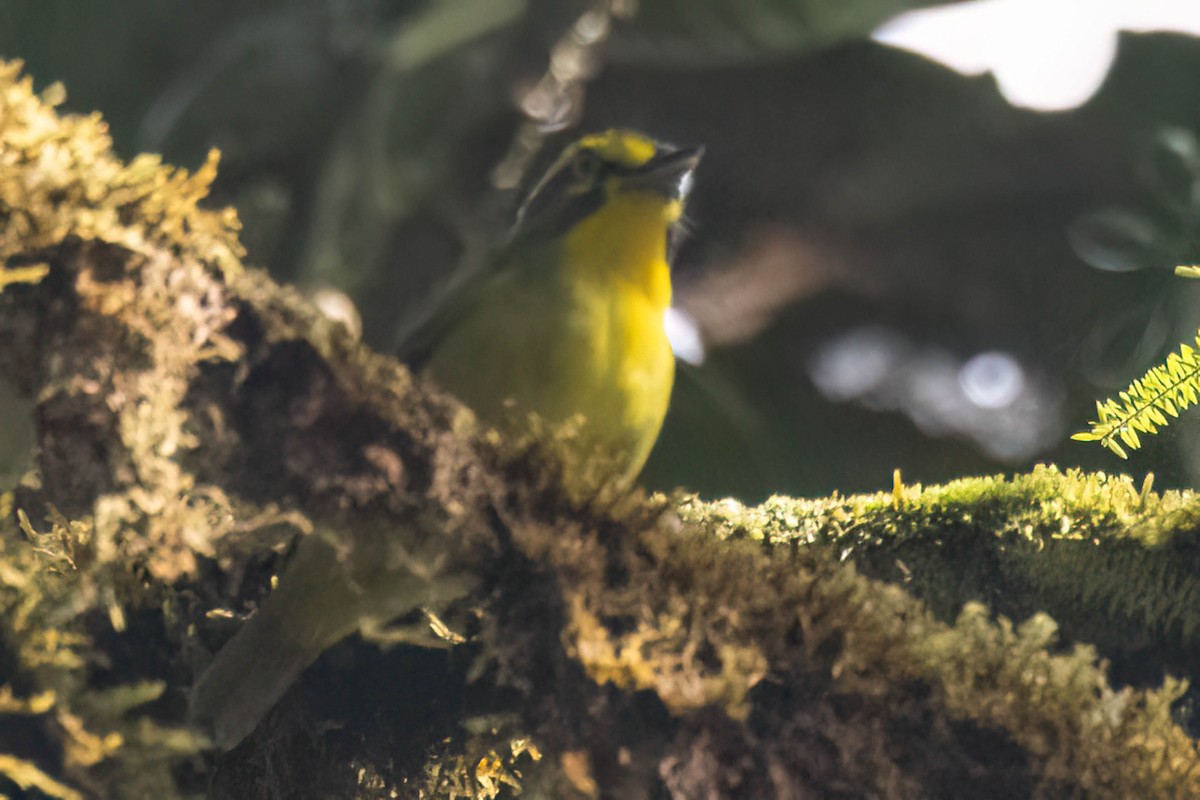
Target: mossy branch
x=194, y=417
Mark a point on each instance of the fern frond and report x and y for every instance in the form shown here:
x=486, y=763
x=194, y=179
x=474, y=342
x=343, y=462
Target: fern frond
x=1148, y=403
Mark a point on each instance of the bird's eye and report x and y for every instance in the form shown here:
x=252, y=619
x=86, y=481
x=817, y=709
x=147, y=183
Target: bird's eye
x=587, y=166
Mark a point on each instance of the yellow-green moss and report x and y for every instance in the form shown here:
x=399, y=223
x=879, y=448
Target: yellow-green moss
x=873, y=638
x=1044, y=505
x=1101, y=553
x=84, y=191
x=49, y=581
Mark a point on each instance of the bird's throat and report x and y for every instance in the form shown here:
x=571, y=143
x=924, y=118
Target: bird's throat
x=625, y=241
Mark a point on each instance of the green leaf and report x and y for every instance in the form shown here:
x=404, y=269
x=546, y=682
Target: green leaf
x=1148, y=404
x=1118, y=241
x=1173, y=168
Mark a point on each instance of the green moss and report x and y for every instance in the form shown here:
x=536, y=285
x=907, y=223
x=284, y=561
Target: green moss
x=1112, y=561
x=864, y=639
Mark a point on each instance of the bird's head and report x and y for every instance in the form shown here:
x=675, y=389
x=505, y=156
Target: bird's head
x=602, y=167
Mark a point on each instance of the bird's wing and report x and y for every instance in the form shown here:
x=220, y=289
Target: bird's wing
x=472, y=286
x=456, y=301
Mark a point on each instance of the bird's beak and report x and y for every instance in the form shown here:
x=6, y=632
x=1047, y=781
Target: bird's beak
x=668, y=173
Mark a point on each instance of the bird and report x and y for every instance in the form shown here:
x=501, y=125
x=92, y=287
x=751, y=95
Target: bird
x=563, y=323
x=568, y=320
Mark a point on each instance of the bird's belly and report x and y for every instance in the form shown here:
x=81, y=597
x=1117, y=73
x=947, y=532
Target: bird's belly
x=600, y=357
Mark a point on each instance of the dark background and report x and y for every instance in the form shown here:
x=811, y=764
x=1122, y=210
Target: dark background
x=866, y=222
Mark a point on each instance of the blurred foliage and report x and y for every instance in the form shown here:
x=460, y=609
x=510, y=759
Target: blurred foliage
x=690, y=33
x=1123, y=240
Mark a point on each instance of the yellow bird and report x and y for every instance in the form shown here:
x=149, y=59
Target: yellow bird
x=566, y=323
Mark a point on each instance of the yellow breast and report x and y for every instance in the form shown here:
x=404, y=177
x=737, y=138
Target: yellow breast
x=576, y=330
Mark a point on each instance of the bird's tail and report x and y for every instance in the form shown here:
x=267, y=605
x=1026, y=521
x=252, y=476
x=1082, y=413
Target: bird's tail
x=252, y=671
x=314, y=607
x=322, y=598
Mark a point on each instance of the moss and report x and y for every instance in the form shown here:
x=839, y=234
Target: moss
x=1111, y=560
x=685, y=616
x=54, y=589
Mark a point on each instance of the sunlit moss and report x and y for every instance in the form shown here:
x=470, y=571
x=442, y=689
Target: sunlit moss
x=875, y=638
x=1101, y=553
